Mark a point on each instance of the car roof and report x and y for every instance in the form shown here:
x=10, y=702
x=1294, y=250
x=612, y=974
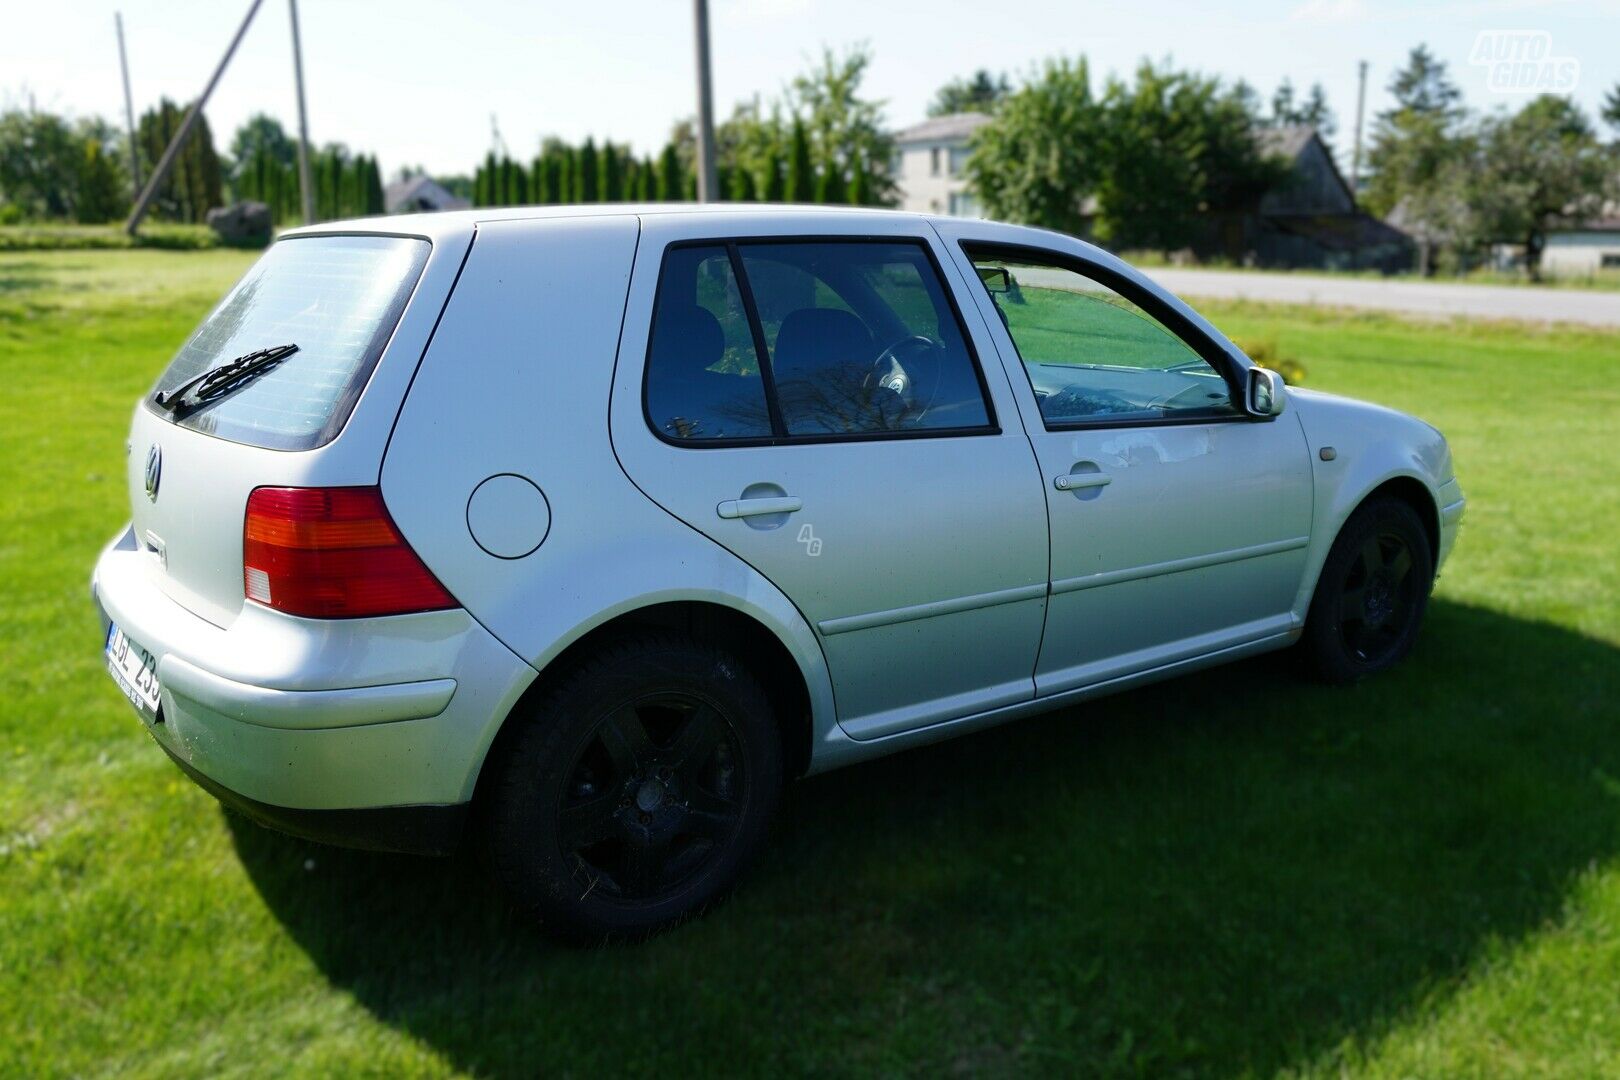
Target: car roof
x=446, y=223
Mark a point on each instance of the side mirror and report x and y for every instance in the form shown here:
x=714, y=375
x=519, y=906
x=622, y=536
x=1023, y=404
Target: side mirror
x=997, y=279
x=1266, y=396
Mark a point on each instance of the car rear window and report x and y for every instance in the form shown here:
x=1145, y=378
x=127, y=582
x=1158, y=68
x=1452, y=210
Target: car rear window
x=338, y=298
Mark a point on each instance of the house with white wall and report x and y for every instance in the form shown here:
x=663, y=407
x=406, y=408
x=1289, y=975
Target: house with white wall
x=1581, y=252
x=930, y=162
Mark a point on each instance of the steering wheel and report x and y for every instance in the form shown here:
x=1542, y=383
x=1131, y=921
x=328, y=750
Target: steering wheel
x=888, y=372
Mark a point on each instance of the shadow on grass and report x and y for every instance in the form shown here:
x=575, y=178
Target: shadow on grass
x=1234, y=872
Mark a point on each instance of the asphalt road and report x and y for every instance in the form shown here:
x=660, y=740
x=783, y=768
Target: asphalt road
x=1436, y=299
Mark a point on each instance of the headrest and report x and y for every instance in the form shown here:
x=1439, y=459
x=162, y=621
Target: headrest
x=814, y=338
x=688, y=339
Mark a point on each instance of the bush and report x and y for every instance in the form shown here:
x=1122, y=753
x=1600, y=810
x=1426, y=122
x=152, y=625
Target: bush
x=1268, y=355
x=104, y=237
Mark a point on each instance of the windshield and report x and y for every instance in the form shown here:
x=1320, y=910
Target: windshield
x=338, y=298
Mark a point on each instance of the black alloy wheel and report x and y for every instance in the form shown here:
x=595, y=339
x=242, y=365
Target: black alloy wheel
x=652, y=798
x=630, y=793
x=1372, y=593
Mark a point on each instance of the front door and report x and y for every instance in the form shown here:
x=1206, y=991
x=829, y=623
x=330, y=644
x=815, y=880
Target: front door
x=816, y=406
x=1179, y=524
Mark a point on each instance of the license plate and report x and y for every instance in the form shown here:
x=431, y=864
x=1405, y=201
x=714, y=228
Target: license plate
x=134, y=670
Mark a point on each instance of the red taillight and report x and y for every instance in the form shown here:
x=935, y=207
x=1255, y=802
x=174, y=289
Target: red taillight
x=332, y=553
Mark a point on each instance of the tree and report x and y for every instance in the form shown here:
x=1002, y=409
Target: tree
x=195, y=183
x=1611, y=108
x=1287, y=110
x=741, y=187
x=1178, y=146
x=980, y=92
x=1539, y=167
x=260, y=133
x=647, y=183
x=101, y=194
x=484, y=193
x=830, y=186
x=670, y=185
x=1039, y=158
x=1141, y=166
x=376, y=202
x=541, y=189
x=1419, y=156
x=775, y=176
x=585, y=173
x=860, y=193
x=632, y=175
x=801, y=173
x=1423, y=85
x=612, y=174
x=329, y=181
x=40, y=159
x=564, y=175
x=514, y=183
x=842, y=124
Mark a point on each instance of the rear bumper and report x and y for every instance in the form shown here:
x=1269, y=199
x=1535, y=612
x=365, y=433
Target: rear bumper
x=365, y=732
x=417, y=830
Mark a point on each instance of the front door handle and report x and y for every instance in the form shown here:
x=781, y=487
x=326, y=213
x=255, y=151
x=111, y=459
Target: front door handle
x=1079, y=481
x=741, y=508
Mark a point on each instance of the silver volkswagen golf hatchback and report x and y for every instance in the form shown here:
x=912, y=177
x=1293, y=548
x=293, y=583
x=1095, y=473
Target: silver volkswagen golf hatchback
x=578, y=531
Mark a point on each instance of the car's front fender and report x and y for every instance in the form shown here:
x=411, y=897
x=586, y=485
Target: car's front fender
x=1357, y=448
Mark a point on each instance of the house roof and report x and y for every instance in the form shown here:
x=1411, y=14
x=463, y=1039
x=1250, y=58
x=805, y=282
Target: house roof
x=415, y=191
x=954, y=127
x=1286, y=141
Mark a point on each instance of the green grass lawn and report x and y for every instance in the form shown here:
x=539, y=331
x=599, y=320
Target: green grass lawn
x=1239, y=875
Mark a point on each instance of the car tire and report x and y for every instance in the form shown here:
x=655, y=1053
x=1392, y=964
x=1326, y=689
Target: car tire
x=1372, y=593
x=638, y=786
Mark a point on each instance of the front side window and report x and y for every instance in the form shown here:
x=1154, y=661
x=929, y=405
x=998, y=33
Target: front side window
x=1094, y=356
x=859, y=338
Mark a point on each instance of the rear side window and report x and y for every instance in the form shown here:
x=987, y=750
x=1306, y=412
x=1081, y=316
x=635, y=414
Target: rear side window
x=338, y=298
x=813, y=340
x=703, y=376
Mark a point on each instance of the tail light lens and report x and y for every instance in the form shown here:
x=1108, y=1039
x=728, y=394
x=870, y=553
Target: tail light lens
x=332, y=553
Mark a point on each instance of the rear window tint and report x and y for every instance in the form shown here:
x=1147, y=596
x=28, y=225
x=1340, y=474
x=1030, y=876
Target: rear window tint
x=338, y=299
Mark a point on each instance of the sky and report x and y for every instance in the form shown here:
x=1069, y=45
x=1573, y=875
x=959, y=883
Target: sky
x=418, y=82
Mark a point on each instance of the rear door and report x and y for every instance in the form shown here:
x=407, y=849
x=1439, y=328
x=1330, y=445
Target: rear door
x=1179, y=524
x=813, y=401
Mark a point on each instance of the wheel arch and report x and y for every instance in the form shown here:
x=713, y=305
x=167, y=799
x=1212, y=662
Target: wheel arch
x=1415, y=493
x=1409, y=487
x=754, y=642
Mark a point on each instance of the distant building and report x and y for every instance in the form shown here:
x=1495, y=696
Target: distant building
x=1583, y=251
x=419, y=193
x=929, y=165
x=1310, y=220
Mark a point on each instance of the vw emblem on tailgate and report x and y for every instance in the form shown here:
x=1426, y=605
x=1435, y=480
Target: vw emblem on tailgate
x=154, y=471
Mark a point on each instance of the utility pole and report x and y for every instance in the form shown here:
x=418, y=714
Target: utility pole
x=305, y=188
x=172, y=151
x=708, y=186
x=1355, y=159
x=129, y=108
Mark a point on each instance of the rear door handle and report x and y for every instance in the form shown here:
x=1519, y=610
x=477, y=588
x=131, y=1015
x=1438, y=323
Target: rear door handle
x=741, y=508
x=1077, y=481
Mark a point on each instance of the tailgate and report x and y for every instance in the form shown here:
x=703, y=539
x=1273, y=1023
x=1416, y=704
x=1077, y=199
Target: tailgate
x=360, y=309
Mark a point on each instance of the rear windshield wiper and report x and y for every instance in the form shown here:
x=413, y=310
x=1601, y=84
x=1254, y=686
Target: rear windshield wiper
x=216, y=382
